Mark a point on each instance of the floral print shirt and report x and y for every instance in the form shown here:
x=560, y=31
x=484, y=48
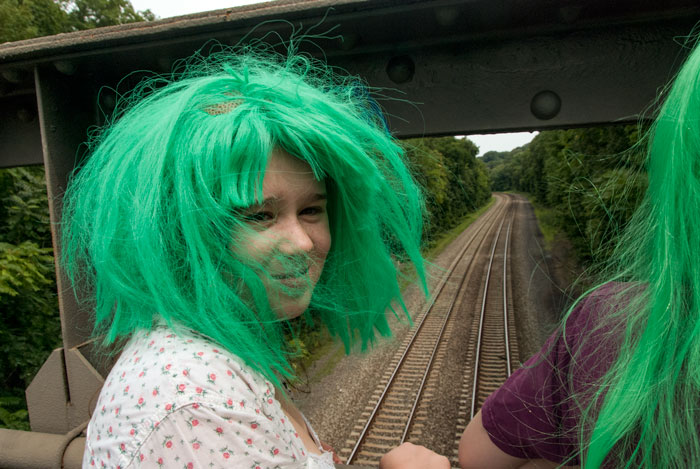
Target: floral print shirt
x=178, y=400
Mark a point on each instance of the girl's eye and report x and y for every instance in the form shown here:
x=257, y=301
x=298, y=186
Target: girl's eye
x=315, y=210
x=258, y=217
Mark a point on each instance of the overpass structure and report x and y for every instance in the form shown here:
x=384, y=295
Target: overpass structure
x=454, y=67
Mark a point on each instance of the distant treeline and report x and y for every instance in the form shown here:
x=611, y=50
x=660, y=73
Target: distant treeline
x=456, y=182
x=29, y=322
x=592, y=179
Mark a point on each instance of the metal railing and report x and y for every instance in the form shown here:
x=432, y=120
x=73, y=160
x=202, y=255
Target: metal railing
x=35, y=450
x=28, y=450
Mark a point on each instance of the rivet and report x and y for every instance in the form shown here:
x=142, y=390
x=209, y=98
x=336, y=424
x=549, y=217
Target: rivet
x=25, y=115
x=545, y=105
x=446, y=16
x=164, y=63
x=347, y=41
x=65, y=67
x=107, y=101
x=13, y=75
x=401, y=69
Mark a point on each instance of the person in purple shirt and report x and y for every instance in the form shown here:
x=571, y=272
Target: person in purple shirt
x=618, y=384
x=532, y=417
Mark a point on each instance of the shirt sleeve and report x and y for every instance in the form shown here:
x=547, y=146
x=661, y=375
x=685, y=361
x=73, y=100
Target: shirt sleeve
x=209, y=435
x=529, y=415
x=537, y=411
x=523, y=417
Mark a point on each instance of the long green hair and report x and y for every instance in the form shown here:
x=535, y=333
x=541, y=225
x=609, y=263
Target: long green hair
x=151, y=218
x=644, y=412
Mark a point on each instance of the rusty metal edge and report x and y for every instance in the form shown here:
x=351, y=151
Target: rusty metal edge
x=186, y=25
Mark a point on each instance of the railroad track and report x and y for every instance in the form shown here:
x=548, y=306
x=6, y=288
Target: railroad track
x=493, y=344
x=494, y=347
x=392, y=416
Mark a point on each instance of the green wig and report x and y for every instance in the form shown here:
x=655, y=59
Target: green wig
x=150, y=220
x=645, y=411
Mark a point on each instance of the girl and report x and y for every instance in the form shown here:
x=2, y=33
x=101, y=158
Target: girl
x=247, y=191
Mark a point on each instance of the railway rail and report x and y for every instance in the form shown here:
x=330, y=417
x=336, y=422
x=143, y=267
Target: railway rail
x=393, y=416
x=493, y=347
x=493, y=344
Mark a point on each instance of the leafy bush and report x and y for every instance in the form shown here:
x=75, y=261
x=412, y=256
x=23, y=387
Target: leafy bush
x=29, y=320
x=455, y=181
x=13, y=413
x=592, y=179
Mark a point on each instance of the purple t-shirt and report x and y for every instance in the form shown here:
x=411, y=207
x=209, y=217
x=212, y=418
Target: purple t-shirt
x=532, y=415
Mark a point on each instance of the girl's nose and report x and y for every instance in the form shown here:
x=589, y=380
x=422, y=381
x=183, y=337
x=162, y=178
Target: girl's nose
x=294, y=238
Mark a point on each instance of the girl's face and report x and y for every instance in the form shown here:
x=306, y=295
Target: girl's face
x=289, y=235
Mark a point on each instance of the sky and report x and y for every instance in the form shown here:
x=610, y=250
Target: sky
x=168, y=8
x=501, y=142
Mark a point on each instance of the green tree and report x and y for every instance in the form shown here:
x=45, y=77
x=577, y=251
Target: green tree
x=455, y=181
x=432, y=174
x=596, y=184
x=592, y=178
x=502, y=176
x=29, y=319
x=25, y=19
x=88, y=14
x=493, y=158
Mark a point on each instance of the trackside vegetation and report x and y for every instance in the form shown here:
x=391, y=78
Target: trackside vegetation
x=456, y=182
x=586, y=183
x=29, y=319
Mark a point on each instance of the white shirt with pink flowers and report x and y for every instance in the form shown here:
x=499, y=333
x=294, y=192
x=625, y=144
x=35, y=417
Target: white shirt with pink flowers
x=181, y=401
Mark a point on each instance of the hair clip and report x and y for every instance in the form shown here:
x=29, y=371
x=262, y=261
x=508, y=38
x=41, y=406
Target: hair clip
x=222, y=108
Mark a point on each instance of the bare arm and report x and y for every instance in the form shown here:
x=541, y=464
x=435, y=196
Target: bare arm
x=476, y=450
x=410, y=456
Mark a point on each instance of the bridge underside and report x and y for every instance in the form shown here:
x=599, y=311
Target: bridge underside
x=450, y=67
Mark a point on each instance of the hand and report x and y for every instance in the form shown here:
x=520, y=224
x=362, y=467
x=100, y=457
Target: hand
x=329, y=448
x=408, y=456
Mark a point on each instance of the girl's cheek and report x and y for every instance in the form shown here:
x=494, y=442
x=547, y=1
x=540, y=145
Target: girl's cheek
x=253, y=245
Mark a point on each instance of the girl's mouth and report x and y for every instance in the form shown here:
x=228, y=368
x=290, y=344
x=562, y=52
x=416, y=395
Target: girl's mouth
x=291, y=275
